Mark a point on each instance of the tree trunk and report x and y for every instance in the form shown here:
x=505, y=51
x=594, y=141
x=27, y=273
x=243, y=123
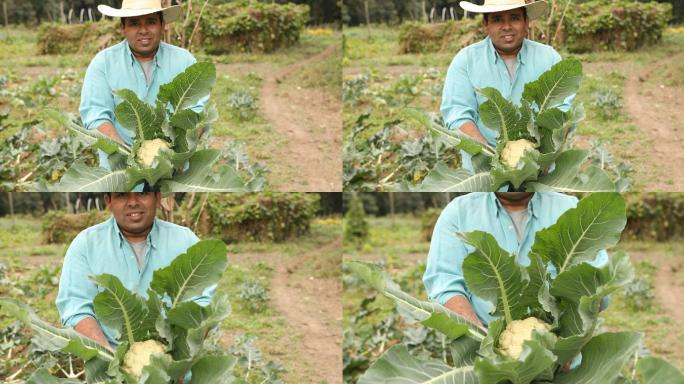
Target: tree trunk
x=4, y=11
x=365, y=6
x=11, y=205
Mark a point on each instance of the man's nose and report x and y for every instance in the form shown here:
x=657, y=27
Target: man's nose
x=132, y=198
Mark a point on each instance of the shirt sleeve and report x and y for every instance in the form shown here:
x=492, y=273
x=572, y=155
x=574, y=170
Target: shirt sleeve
x=459, y=102
x=97, y=102
x=443, y=276
x=76, y=293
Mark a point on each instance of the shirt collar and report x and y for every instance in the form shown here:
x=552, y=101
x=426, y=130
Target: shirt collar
x=151, y=237
x=532, y=206
x=520, y=58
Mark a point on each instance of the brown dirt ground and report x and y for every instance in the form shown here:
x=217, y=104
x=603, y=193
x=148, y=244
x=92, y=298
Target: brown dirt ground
x=669, y=288
x=310, y=120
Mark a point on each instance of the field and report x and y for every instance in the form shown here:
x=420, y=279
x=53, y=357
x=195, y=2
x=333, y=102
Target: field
x=371, y=323
x=631, y=101
x=285, y=299
x=275, y=109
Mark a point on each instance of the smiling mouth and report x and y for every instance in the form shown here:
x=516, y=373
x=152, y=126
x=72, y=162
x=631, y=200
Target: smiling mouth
x=145, y=40
x=134, y=215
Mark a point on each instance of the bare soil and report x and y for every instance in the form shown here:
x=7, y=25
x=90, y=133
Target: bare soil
x=668, y=281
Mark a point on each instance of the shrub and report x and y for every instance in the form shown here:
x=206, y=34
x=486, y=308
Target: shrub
x=655, y=216
x=355, y=224
x=427, y=223
x=449, y=36
x=60, y=227
x=253, y=296
x=56, y=38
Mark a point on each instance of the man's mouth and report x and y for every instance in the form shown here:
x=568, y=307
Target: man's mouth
x=145, y=40
x=508, y=38
x=135, y=215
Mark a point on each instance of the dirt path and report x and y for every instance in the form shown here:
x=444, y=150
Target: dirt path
x=653, y=109
x=314, y=307
x=310, y=121
x=669, y=282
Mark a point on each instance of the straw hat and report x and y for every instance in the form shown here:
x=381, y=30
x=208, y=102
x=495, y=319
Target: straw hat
x=535, y=9
x=133, y=8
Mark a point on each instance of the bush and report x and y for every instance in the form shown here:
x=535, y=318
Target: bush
x=655, y=216
x=56, y=38
x=236, y=217
x=427, y=223
x=60, y=227
x=613, y=25
x=449, y=36
x=355, y=224
x=258, y=27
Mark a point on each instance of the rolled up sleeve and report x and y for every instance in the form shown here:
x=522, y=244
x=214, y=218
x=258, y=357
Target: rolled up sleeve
x=443, y=276
x=75, y=296
x=97, y=102
x=459, y=102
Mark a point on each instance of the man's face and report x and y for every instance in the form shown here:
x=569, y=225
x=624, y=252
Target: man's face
x=134, y=212
x=507, y=29
x=143, y=33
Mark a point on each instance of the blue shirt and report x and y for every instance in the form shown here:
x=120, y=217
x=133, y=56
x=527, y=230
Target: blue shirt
x=103, y=249
x=480, y=66
x=117, y=68
x=482, y=211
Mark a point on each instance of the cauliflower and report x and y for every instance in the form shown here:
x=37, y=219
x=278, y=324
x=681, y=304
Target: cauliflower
x=149, y=149
x=138, y=356
x=517, y=332
x=514, y=150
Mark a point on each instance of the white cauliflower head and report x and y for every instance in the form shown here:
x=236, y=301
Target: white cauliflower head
x=517, y=332
x=513, y=151
x=149, y=149
x=139, y=354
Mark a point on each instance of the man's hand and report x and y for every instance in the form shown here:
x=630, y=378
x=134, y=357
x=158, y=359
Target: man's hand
x=89, y=328
x=462, y=306
x=470, y=129
x=109, y=130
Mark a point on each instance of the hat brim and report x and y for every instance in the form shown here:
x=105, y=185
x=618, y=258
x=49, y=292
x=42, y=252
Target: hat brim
x=171, y=14
x=534, y=10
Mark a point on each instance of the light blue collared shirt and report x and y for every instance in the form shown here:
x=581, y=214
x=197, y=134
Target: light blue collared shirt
x=482, y=211
x=480, y=66
x=117, y=68
x=103, y=249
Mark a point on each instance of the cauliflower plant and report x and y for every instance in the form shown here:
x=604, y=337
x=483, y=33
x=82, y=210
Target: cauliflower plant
x=149, y=149
x=139, y=354
x=514, y=150
x=517, y=332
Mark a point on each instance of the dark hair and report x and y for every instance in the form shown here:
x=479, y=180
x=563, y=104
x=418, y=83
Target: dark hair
x=160, y=13
x=485, y=16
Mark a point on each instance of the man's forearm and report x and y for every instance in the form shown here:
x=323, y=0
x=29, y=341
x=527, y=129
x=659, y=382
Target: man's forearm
x=109, y=130
x=462, y=306
x=470, y=129
x=90, y=328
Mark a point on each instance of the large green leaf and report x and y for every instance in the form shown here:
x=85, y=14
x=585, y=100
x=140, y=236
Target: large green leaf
x=186, y=89
x=493, y=274
x=568, y=176
x=579, y=233
x=653, y=370
x=429, y=314
x=534, y=361
x=397, y=366
x=43, y=376
x=89, y=137
x=602, y=359
x=503, y=116
x=192, y=272
x=162, y=168
x=554, y=85
x=119, y=308
x=199, y=177
x=526, y=169
x=82, y=178
x=138, y=116
x=213, y=369
x=442, y=178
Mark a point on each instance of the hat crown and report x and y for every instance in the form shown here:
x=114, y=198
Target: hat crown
x=141, y=4
x=505, y=2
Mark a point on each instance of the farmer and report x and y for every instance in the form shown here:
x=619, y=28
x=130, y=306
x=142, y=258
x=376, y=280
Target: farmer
x=505, y=60
x=130, y=245
x=140, y=63
x=512, y=218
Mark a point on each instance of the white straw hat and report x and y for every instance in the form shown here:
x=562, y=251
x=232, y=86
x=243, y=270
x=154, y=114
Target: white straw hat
x=133, y=8
x=534, y=8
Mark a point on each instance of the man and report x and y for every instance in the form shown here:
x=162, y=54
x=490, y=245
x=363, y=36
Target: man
x=141, y=63
x=513, y=218
x=505, y=60
x=131, y=245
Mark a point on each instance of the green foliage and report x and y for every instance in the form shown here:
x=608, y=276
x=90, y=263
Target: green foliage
x=427, y=222
x=243, y=105
x=243, y=26
x=60, y=39
x=613, y=25
x=238, y=217
x=253, y=296
x=607, y=102
x=355, y=224
x=60, y=227
x=450, y=36
x=655, y=216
